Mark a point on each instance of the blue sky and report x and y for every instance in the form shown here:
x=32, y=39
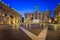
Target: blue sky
x=23, y=6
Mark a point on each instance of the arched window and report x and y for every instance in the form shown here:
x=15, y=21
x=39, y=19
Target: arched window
x=32, y=18
x=11, y=15
x=35, y=17
x=5, y=14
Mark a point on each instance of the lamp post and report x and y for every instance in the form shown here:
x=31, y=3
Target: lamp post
x=55, y=21
x=49, y=21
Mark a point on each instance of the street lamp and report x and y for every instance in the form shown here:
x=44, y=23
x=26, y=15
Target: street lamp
x=49, y=21
x=55, y=19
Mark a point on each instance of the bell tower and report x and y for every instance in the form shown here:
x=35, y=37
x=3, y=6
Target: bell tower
x=36, y=8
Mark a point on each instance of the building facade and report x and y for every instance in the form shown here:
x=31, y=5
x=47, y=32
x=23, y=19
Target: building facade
x=57, y=14
x=9, y=15
x=37, y=17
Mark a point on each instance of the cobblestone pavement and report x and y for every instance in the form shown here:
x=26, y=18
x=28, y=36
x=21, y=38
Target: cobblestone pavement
x=53, y=35
x=8, y=34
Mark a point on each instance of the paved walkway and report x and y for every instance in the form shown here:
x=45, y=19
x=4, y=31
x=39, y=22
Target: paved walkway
x=41, y=36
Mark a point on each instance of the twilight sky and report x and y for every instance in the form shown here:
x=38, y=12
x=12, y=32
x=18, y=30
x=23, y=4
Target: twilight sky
x=23, y=6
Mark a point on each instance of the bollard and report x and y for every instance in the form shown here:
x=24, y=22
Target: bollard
x=29, y=25
x=55, y=27
x=26, y=25
x=40, y=25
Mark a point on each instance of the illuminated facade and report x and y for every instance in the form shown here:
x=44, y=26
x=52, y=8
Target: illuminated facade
x=37, y=17
x=57, y=14
x=9, y=16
